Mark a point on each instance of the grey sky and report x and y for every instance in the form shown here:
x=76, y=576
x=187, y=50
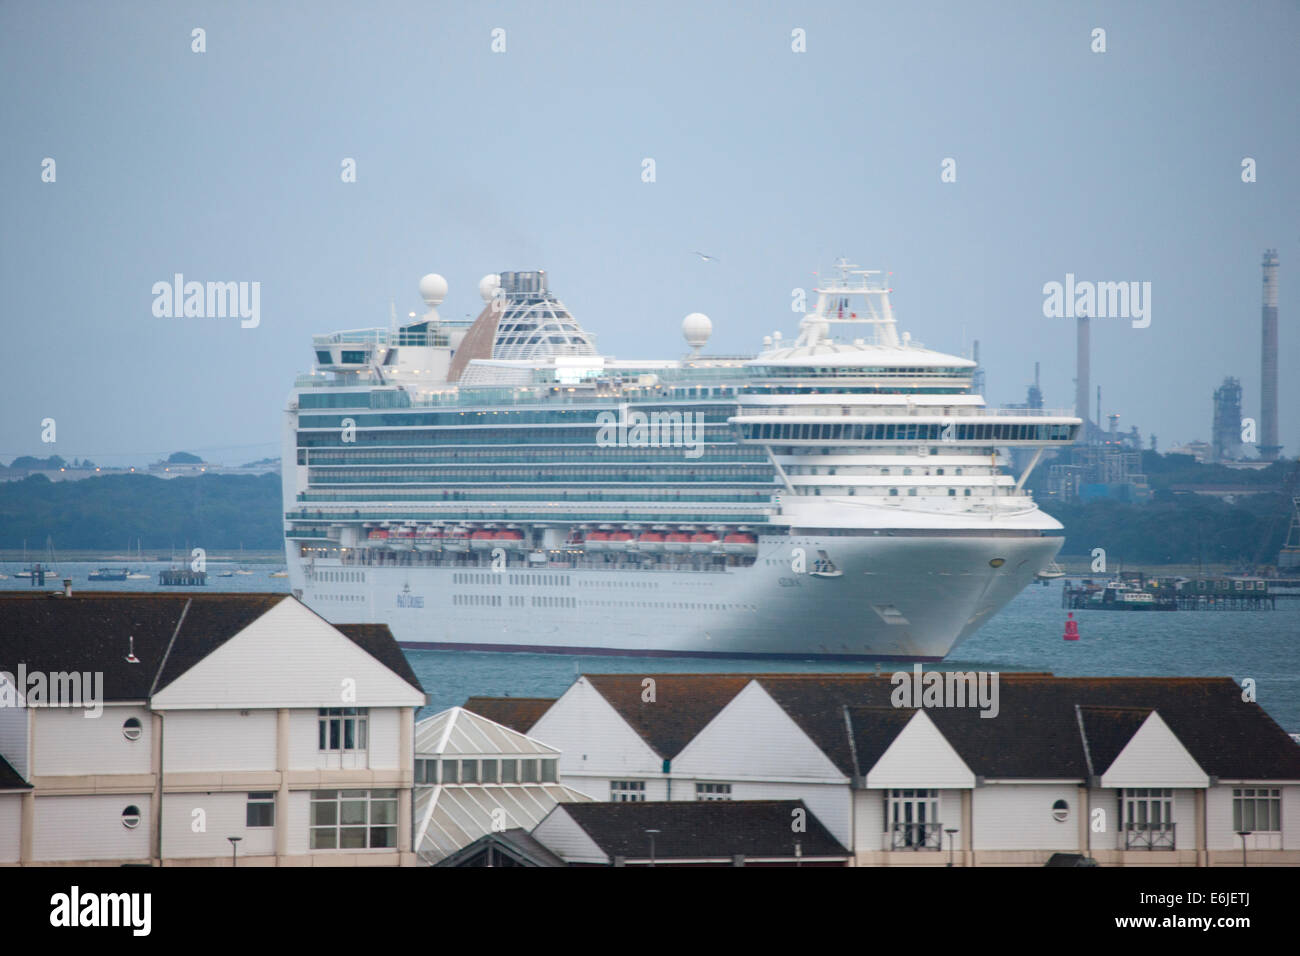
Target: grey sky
x=225, y=166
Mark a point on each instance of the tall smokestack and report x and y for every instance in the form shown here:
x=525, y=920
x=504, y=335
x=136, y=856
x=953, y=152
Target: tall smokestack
x=1081, y=385
x=1269, y=449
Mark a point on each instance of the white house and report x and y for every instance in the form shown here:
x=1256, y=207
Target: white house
x=218, y=716
x=1137, y=771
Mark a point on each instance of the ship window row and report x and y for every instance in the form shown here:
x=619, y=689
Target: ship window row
x=337, y=577
x=615, y=583
x=476, y=600
x=909, y=431
x=551, y=495
x=859, y=371
x=671, y=605
x=686, y=471
x=339, y=598
x=868, y=471
x=524, y=456
x=703, y=414
x=554, y=601
x=498, y=577
x=554, y=435
x=852, y=492
x=487, y=770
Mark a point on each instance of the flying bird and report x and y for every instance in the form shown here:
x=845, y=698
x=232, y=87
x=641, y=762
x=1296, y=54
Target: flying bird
x=706, y=258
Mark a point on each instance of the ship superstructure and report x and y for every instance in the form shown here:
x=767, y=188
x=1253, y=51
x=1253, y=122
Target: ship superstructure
x=501, y=484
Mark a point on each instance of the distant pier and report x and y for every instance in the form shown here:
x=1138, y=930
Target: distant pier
x=182, y=577
x=1135, y=591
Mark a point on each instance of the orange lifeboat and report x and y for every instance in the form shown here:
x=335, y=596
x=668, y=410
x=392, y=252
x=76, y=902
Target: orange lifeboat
x=598, y=541
x=456, y=540
x=677, y=542
x=621, y=541
x=482, y=540
x=511, y=540
x=740, y=543
x=651, y=541
x=703, y=542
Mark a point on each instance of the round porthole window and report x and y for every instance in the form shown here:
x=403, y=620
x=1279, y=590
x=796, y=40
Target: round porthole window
x=1060, y=811
x=132, y=729
x=131, y=817
x=997, y=562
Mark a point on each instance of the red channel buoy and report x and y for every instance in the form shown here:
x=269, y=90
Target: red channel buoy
x=1071, y=628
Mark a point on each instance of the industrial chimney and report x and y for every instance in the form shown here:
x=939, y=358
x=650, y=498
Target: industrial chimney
x=1269, y=449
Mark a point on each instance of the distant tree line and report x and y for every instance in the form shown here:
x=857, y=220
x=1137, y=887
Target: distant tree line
x=112, y=511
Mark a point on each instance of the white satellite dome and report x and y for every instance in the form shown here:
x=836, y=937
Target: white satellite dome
x=488, y=285
x=433, y=289
x=696, y=328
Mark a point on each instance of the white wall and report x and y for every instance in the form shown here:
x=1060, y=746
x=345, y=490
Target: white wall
x=68, y=742
x=224, y=815
x=1019, y=817
x=1218, y=810
x=13, y=734
x=592, y=736
x=214, y=740
x=11, y=809
x=753, y=737
x=869, y=819
x=384, y=739
x=90, y=828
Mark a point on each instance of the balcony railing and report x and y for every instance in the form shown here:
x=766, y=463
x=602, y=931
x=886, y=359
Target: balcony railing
x=918, y=836
x=1149, y=836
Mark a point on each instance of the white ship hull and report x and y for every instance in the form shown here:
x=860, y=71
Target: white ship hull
x=897, y=598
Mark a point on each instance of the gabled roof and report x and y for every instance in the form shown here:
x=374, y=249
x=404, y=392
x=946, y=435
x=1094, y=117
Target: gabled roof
x=10, y=778
x=1035, y=735
x=516, y=844
x=683, y=704
x=517, y=713
x=95, y=631
x=709, y=829
x=459, y=731
x=449, y=817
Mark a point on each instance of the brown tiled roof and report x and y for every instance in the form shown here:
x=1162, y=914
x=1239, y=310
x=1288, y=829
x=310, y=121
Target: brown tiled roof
x=1035, y=735
x=709, y=829
x=95, y=630
x=517, y=713
x=683, y=704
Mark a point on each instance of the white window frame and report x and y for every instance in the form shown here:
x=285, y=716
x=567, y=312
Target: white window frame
x=627, y=791
x=712, y=791
x=912, y=819
x=1254, y=799
x=337, y=798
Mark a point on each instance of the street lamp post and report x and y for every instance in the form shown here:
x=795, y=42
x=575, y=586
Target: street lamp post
x=950, y=831
x=651, y=834
x=1243, y=834
x=234, y=849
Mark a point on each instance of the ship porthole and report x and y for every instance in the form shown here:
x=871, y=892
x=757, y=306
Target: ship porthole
x=997, y=562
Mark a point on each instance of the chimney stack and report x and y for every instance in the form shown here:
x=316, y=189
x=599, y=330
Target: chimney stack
x=1269, y=448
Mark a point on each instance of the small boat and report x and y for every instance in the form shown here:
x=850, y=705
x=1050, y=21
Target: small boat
x=107, y=574
x=278, y=574
x=1050, y=573
x=622, y=541
x=137, y=576
x=429, y=539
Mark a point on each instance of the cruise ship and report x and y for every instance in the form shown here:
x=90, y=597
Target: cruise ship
x=500, y=484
